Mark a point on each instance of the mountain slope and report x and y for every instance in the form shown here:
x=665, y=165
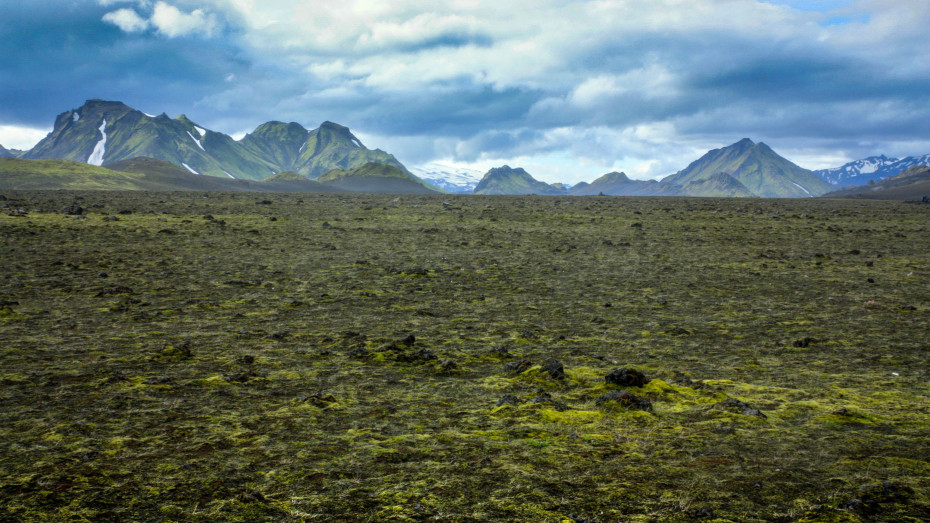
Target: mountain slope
x=757, y=167
x=912, y=184
x=5, y=153
x=285, y=176
x=873, y=168
x=720, y=185
x=506, y=180
x=102, y=132
x=619, y=184
x=333, y=146
x=137, y=174
x=375, y=177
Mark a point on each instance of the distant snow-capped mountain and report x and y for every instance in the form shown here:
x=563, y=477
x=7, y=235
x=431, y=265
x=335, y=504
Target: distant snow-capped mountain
x=873, y=168
x=448, y=177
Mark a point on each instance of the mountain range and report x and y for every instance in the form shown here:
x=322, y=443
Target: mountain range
x=744, y=169
x=871, y=169
x=102, y=132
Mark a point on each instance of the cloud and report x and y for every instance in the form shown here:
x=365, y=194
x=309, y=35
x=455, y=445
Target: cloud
x=21, y=137
x=172, y=22
x=127, y=20
x=643, y=86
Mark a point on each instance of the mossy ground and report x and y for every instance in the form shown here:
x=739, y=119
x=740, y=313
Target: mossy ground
x=169, y=367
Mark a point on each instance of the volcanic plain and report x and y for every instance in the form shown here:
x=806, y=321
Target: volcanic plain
x=305, y=357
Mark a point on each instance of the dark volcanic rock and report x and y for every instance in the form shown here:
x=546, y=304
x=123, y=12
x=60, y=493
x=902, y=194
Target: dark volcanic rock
x=870, y=497
x=508, y=399
x=516, y=367
x=739, y=407
x=625, y=399
x=544, y=398
x=554, y=368
x=626, y=378
x=73, y=210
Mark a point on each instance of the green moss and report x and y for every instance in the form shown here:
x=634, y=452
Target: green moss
x=98, y=426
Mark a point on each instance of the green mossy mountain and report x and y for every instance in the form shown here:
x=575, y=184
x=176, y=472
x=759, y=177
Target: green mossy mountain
x=757, y=167
x=376, y=177
x=619, y=184
x=507, y=180
x=6, y=153
x=102, y=132
x=912, y=184
x=717, y=185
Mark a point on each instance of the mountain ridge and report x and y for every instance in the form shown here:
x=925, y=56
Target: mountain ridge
x=101, y=132
x=873, y=168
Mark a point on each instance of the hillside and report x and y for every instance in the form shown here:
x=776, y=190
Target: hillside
x=912, y=184
x=376, y=178
x=720, y=185
x=137, y=174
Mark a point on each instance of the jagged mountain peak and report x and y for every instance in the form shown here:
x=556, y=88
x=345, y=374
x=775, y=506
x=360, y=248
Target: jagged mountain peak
x=102, y=132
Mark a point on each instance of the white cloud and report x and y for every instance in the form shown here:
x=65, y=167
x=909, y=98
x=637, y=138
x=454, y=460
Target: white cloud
x=127, y=20
x=19, y=137
x=172, y=22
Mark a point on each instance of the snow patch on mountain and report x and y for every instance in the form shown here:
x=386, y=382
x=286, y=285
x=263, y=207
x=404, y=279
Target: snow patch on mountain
x=449, y=177
x=201, y=131
x=873, y=168
x=799, y=186
x=196, y=141
x=227, y=174
x=188, y=167
x=96, y=157
x=76, y=116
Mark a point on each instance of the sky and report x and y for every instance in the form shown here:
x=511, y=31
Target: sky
x=568, y=90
